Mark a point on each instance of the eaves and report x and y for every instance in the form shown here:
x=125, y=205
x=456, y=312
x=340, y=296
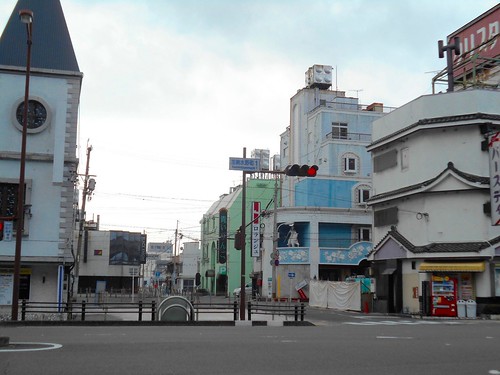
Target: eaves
x=435, y=123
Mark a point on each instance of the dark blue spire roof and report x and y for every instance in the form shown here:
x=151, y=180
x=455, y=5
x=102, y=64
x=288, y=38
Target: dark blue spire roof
x=52, y=48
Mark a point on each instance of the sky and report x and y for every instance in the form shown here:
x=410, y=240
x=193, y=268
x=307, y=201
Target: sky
x=173, y=88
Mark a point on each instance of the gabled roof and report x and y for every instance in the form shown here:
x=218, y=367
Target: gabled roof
x=474, y=180
x=51, y=49
x=435, y=247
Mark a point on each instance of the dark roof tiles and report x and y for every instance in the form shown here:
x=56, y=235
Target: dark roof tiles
x=52, y=48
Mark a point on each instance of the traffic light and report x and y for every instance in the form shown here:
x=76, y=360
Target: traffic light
x=197, y=279
x=239, y=237
x=301, y=171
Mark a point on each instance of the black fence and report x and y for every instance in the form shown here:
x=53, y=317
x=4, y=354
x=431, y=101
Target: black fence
x=148, y=310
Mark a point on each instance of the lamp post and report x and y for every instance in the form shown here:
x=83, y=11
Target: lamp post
x=26, y=17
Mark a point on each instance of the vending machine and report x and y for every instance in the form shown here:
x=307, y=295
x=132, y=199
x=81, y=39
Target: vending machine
x=444, y=296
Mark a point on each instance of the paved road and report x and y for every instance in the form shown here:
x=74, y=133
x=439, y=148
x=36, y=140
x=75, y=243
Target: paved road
x=341, y=343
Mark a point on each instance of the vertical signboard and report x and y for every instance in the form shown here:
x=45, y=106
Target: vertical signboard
x=222, y=257
x=494, y=150
x=144, y=241
x=255, y=229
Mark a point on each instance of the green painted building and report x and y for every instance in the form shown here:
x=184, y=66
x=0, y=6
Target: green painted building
x=222, y=278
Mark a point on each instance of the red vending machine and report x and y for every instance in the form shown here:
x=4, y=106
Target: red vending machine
x=444, y=296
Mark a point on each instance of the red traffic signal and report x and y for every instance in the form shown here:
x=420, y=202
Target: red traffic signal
x=301, y=171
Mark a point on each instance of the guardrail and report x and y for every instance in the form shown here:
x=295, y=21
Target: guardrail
x=83, y=310
x=295, y=310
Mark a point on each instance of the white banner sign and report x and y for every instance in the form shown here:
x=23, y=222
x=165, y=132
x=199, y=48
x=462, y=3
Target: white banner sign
x=494, y=149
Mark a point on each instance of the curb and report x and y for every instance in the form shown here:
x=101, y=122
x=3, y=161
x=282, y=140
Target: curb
x=121, y=323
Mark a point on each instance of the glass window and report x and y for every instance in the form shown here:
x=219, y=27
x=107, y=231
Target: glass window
x=350, y=164
x=339, y=130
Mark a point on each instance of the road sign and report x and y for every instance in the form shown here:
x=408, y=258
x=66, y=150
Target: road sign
x=8, y=230
x=291, y=275
x=244, y=164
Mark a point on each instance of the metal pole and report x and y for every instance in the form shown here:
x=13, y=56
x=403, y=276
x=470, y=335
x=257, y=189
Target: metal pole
x=81, y=224
x=275, y=237
x=173, y=282
x=243, y=241
x=21, y=190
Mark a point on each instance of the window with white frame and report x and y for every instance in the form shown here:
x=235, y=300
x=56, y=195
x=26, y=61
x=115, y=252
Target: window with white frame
x=339, y=130
x=350, y=163
x=361, y=194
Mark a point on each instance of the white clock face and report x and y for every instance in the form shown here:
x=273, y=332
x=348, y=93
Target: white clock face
x=37, y=114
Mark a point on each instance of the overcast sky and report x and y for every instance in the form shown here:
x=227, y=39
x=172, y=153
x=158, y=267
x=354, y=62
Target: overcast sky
x=173, y=88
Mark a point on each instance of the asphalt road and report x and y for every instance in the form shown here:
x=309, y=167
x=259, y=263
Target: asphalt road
x=340, y=343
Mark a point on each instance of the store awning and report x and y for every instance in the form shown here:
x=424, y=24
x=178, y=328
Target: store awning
x=452, y=267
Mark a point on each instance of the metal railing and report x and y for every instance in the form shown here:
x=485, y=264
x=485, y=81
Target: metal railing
x=142, y=310
x=73, y=310
x=288, y=309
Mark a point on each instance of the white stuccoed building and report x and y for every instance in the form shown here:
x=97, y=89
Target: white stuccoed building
x=431, y=204
x=51, y=161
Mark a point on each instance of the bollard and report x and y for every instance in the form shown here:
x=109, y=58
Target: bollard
x=249, y=310
x=235, y=310
x=302, y=311
x=83, y=310
x=296, y=312
x=140, y=311
x=153, y=310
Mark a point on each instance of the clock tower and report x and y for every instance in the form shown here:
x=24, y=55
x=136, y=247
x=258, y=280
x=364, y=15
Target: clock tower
x=51, y=152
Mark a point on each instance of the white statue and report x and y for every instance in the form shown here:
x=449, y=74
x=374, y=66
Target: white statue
x=293, y=238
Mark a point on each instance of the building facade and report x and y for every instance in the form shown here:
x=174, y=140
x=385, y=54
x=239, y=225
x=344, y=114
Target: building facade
x=47, y=252
x=432, y=220
x=326, y=214
x=111, y=261
x=434, y=159
x=223, y=277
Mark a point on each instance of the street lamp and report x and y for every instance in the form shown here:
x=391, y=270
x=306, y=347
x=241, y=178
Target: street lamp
x=26, y=17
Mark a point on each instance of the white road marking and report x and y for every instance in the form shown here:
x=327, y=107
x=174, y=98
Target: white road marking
x=49, y=346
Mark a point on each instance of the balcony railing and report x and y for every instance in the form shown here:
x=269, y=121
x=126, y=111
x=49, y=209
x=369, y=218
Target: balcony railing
x=359, y=137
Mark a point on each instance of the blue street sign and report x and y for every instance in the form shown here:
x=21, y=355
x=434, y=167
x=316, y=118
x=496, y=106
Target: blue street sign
x=244, y=164
x=291, y=275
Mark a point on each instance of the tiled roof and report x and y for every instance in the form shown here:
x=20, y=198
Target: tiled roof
x=437, y=247
x=419, y=186
x=52, y=48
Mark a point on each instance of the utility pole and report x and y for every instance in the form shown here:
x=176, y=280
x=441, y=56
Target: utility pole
x=174, y=273
x=243, y=240
x=81, y=222
x=275, y=239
